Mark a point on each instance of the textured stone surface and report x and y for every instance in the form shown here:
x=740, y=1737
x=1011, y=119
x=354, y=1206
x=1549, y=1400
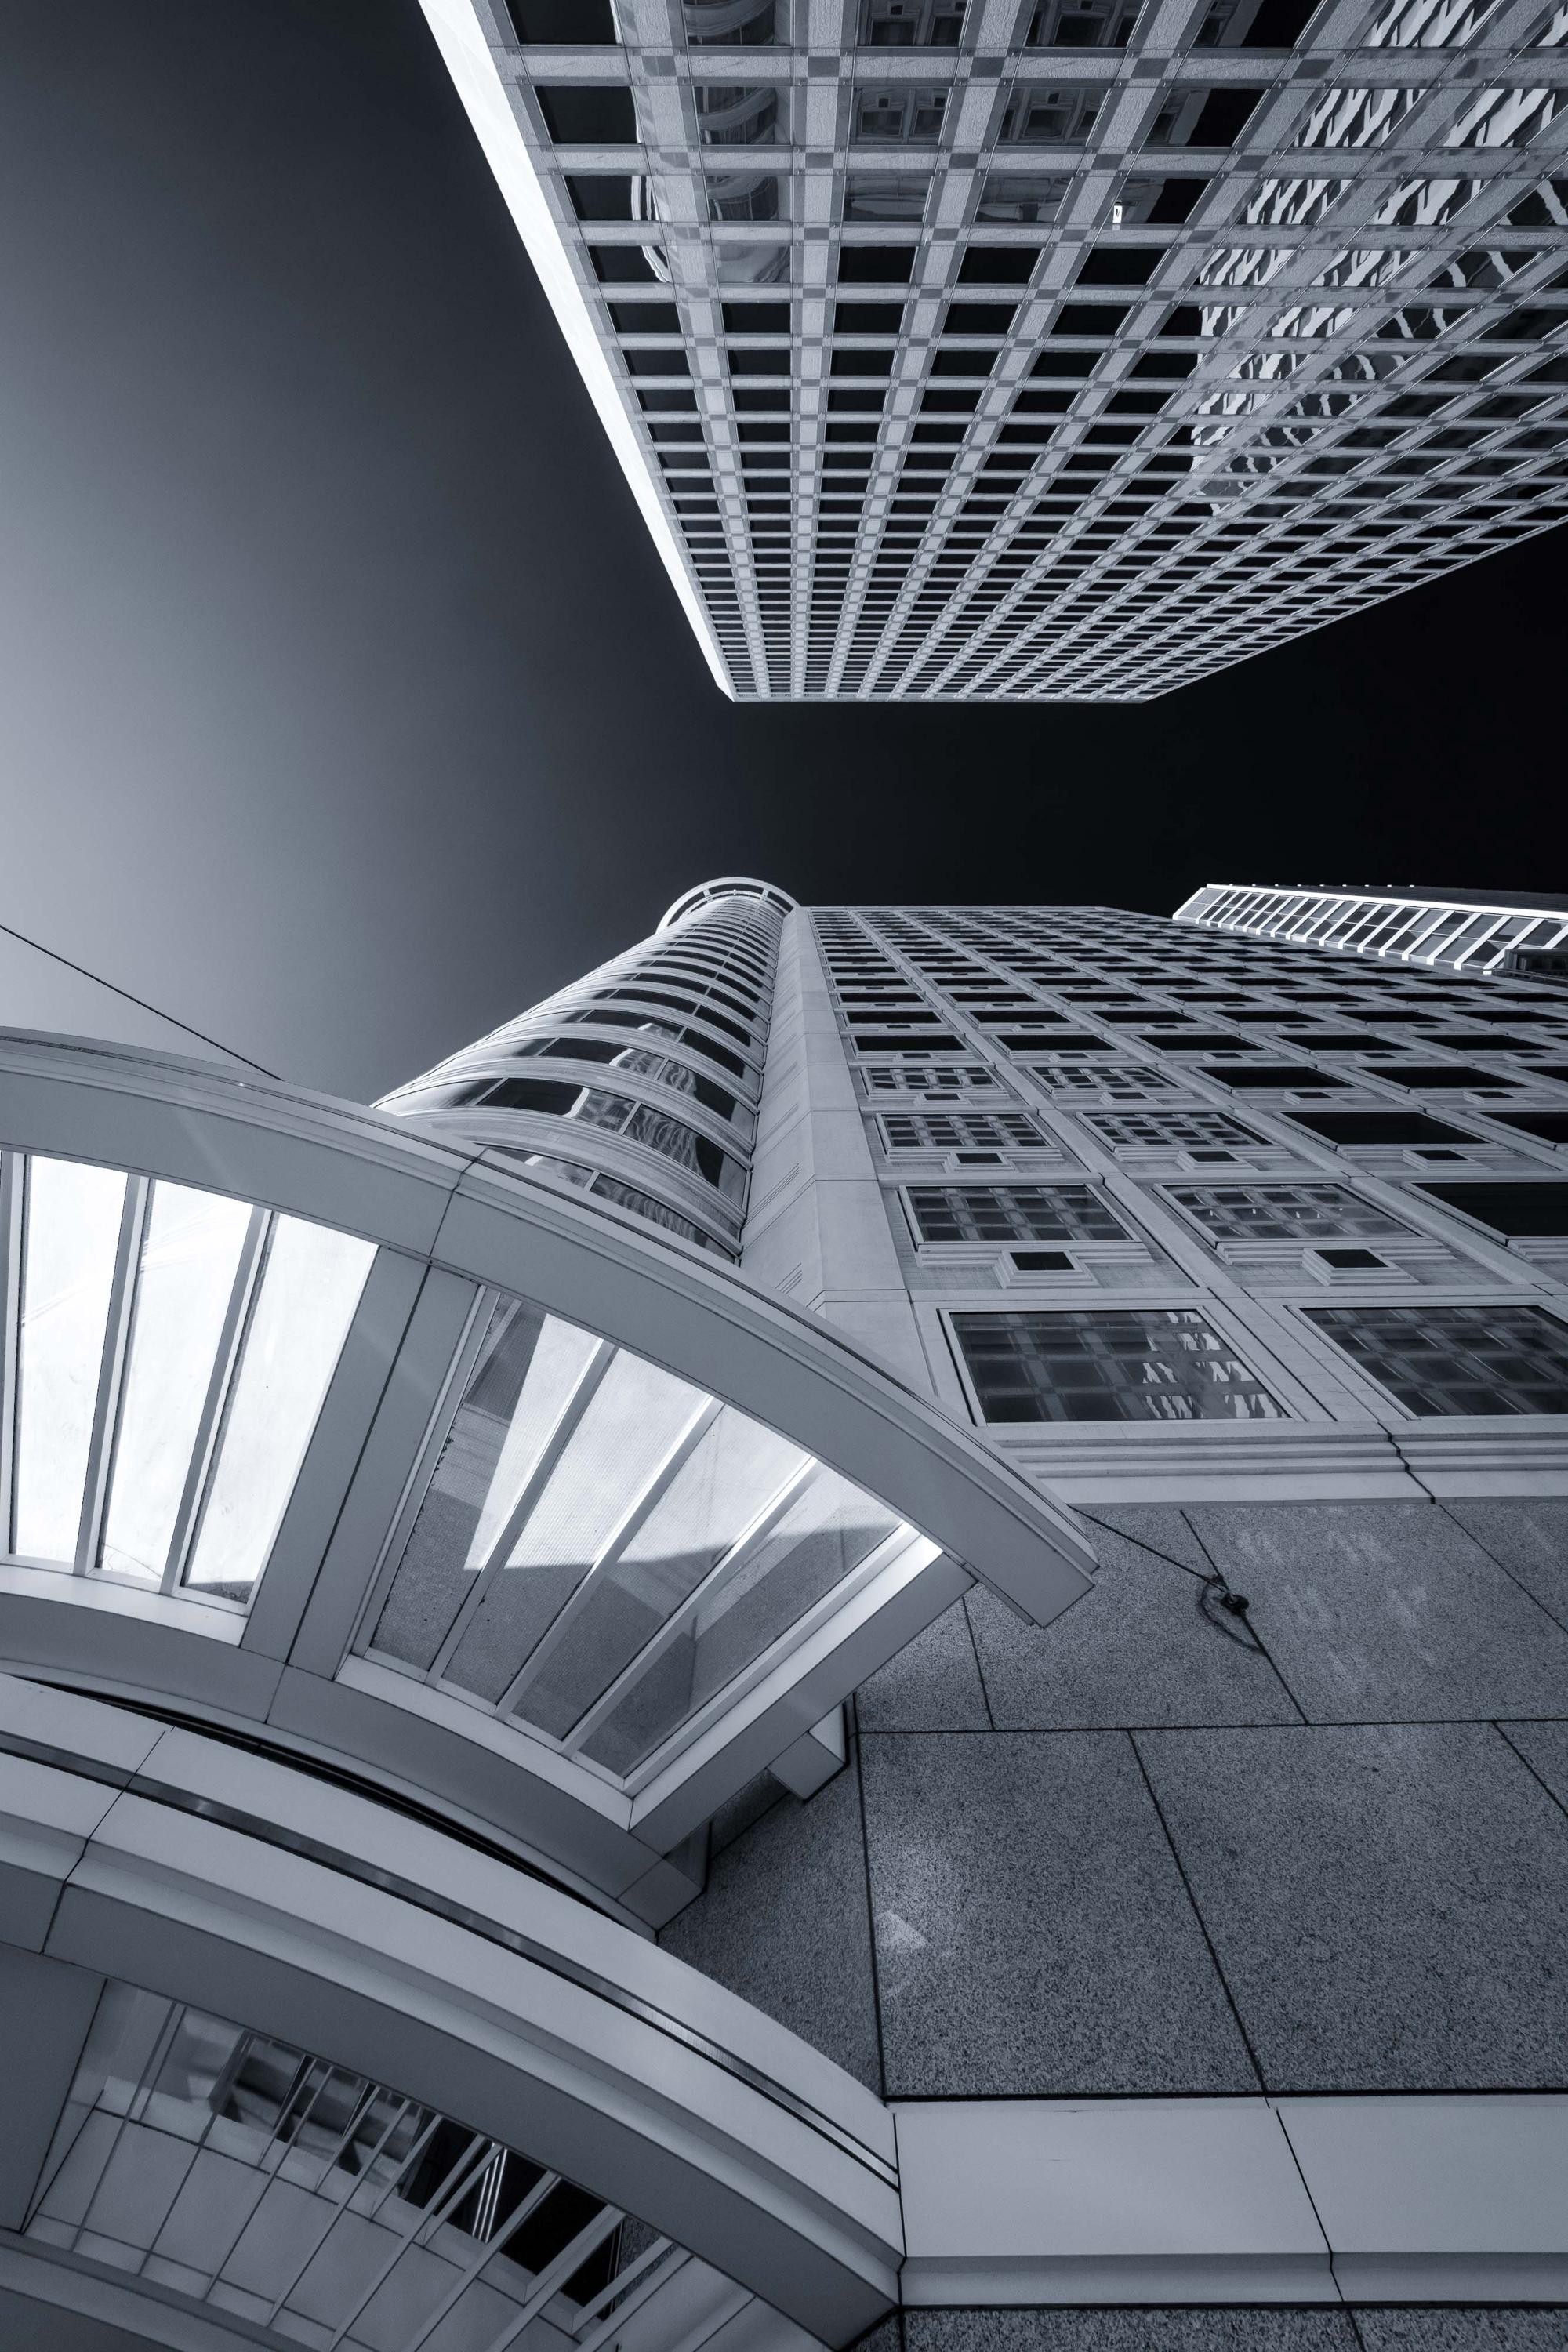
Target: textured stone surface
x=783, y=1922
x=1530, y=1536
x=1520, y=2329
x=1381, y=1613
x=1136, y=1650
x=931, y=1685
x=1157, y=1527
x=1389, y=1905
x=1033, y=1934
x=1316, y=2329
x=1544, y=1747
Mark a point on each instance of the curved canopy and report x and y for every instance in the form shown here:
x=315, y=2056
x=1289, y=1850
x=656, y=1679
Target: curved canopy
x=431, y=1465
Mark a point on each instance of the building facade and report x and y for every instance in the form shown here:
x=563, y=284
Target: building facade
x=1043, y=350
x=862, y=1630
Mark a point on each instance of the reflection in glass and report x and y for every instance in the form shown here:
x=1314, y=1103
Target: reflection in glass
x=310, y=1289
x=72, y=1233
x=643, y=1544
x=189, y=1260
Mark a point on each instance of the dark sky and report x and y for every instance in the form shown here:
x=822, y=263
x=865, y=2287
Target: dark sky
x=344, y=708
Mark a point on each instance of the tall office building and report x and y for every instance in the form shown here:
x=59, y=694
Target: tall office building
x=863, y=1629
x=1043, y=350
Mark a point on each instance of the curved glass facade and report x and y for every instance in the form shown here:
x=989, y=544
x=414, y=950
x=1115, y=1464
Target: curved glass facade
x=638, y=1083
x=227, y=2167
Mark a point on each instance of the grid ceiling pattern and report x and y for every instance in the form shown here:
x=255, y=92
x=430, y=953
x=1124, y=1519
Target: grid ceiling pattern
x=1042, y=352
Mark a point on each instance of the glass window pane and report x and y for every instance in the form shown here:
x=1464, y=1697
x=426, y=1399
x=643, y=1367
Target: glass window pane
x=309, y=1292
x=826, y=1532
x=633, y=1417
x=735, y=1470
x=73, y=1230
x=433, y=1577
x=189, y=1259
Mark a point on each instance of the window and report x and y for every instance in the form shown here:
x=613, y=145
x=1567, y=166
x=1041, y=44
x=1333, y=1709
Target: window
x=613, y=1114
x=1023, y=1213
x=1292, y=1076
x=1547, y=1126
x=1171, y=1130
x=898, y=1078
x=1131, y=1081
x=1357, y=1130
x=1114, y=1365
x=955, y=1131
x=1270, y=1213
x=1522, y=1212
x=1457, y=1360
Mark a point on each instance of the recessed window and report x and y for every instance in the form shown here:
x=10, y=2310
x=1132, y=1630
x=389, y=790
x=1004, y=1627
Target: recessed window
x=587, y=115
x=960, y=1130
x=1359, y=1130
x=1282, y=1212
x=1177, y=1131
x=1108, y=1365
x=1035, y=1212
x=1457, y=1360
x=1521, y=1211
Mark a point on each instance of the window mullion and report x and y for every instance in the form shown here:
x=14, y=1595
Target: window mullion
x=111, y=1370
x=539, y=1477
x=12, y=1169
x=240, y=1298
x=550, y=1641
x=723, y=1571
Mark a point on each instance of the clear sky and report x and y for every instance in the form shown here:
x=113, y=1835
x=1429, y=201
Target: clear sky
x=344, y=707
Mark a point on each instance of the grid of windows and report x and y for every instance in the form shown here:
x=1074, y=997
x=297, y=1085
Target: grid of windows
x=1125, y=1082
x=1138, y=977
x=1279, y=1213
x=1020, y=1212
x=1118, y=1364
x=1051, y=355
x=893, y=1078
x=960, y=1130
x=1457, y=1360
x=1171, y=1130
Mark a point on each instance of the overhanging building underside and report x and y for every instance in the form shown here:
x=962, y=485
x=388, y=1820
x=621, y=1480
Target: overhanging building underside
x=988, y=350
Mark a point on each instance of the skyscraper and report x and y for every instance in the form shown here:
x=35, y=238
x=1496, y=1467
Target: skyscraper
x=1046, y=350
x=866, y=1624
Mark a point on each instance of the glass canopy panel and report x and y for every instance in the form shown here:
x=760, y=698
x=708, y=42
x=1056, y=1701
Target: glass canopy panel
x=190, y=1258
x=733, y=1473
x=635, y=1416
x=309, y=1291
x=601, y=1547
x=827, y=1531
x=73, y=1218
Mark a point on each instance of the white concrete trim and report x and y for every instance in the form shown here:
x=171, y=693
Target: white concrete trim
x=1120, y=2201
x=1379, y=2198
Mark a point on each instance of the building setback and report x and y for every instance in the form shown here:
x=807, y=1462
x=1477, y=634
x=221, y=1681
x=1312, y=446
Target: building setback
x=864, y=1628
x=1043, y=350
